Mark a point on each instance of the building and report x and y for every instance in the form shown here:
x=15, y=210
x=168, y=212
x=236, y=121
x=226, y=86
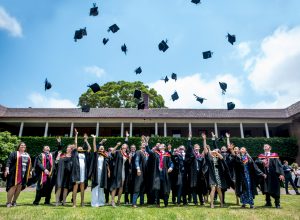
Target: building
x=163, y=122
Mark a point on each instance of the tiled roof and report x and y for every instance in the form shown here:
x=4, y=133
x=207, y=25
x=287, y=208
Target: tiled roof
x=148, y=113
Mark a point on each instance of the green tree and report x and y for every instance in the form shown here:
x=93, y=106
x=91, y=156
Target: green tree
x=8, y=144
x=120, y=95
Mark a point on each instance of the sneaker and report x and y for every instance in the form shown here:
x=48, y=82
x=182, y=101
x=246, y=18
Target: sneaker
x=251, y=207
x=8, y=205
x=14, y=204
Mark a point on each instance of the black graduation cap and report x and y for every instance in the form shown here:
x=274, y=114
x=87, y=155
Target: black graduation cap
x=207, y=54
x=137, y=94
x=85, y=108
x=174, y=96
x=196, y=1
x=47, y=85
x=223, y=86
x=94, y=10
x=174, y=76
x=79, y=34
x=230, y=105
x=113, y=28
x=138, y=70
x=163, y=46
x=166, y=79
x=95, y=87
x=199, y=99
x=105, y=40
x=124, y=48
x=231, y=38
x=141, y=105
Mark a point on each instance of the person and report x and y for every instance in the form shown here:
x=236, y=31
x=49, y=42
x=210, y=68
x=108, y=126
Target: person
x=44, y=171
x=288, y=177
x=129, y=182
x=139, y=173
x=246, y=174
x=17, y=172
x=99, y=173
x=297, y=175
x=121, y=164
x=270, y=164
x=160, y=169
x=216, y=170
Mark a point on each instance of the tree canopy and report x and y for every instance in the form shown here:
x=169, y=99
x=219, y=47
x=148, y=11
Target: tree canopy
x=8, y=144
x=120, y=95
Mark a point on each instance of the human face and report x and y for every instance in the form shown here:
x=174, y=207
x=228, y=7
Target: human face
x=196, y=147
x=161, y=147
x=22, y=147
x=223, y=149
x=46, y=149
x=101, y=149
x=267, y=148
x=236, y=150
x=132, y=148
x=69, y=148
x=80, y=148
x=243, y=150
x=124, y=147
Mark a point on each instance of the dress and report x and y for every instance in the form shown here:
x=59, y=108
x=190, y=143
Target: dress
x=123, y=169
x=246, y=196
x=98, y=197
x=81, y=158
x=218, y=180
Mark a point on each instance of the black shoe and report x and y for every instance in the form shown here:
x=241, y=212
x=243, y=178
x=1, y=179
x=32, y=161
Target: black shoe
x=243, y=206
x=251, y=207
x=288, y=193
x=297, y=193
x=35, y=203
x=278, y=207
x=268, y=205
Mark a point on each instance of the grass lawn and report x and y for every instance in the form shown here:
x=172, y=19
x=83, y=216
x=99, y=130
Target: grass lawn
x=290, y=210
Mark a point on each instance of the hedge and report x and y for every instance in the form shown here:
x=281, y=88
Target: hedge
x=286, y=147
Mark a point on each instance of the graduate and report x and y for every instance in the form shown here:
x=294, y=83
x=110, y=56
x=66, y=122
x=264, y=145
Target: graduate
x=45, y=163
x=139, y=173
x=161, y=167
x=270, y=164
x=129, y=181
x=99, y=173
x=197, y=170
x=17, y=172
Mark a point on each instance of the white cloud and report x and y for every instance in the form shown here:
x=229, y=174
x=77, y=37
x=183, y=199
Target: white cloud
x=196, y=84
x=40, y=101
x=276, y=70
x=10, y=23
x=243, y=49
x=95, y=70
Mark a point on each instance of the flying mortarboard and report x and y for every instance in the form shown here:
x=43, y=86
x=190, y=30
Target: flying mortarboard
x=85, y=108
x=94, y=10
x=199, y=99
x=231, y=38
x=137, y=94
x=113, y=28
x=230, y=105
x=47, y=85
x=124, y=48
x=105, y=40
x=79, y=34
x=174, y=96
x=141, y=105
x=196, y=1
x=163, y=46
x=95, y=87
x=166, y=79
x=223, y=86
x=207, y=54
x=138, y=70
x=174, y=76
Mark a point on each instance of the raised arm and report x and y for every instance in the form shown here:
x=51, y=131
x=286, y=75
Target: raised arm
x=85, y=138
x=214, y=139
x=204, y=139
x=228, y=139
x=94, y=142
x=126, y=137
x=115, y=148
x=76, y=137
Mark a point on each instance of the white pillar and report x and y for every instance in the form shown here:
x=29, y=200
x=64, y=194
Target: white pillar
x=156, y=129
x=97, y=129
x=71, y=129
x=267, y=130
x=242, y=130
x=190, y=128
x=130, y=129
x=216, y=129
x=165, y=129
x=21, y=129
x=46, y=129
x=122, y=129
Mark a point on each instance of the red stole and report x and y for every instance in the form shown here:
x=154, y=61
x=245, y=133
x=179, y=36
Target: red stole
x=161, y=158
x=124, y=154
x=44, y=161
x=266, y=159
x=18, y=175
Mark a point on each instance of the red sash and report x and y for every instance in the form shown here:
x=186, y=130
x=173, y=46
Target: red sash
x=44, y=161
x=18, y=175
x=161, y=158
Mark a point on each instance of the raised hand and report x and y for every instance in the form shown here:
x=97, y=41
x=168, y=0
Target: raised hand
x=203, y=135
x=93, y=136
x=103, y=141
x=227, y=135
x=76, y=132
x=85, y=137
x=127, y=134
x=58, y=139
x=190, y=135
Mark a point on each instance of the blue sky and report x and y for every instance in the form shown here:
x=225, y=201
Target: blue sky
x=261, y=69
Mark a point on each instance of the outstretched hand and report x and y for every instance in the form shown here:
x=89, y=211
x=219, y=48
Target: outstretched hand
x=203, y=135
x=227, y=135
x=76, y=132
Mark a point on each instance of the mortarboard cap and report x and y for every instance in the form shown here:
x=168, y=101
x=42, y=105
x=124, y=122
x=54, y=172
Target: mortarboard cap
x=223, y=86
x=94, y=10
x=137, y=94
x=207, y=54
x=174, y=76
x=138, y=70
x=199, y=99
x=196, y=1
x=95, y=87
x=79, y=34
x=124, y=48
x=231, y=38
x=105, y=40
x=141, y=105
x=174, y=96
x=166, y=79
x=230, y=105
x=163, y=46
x=113, y=28
x=47, y=85
x=85, y=108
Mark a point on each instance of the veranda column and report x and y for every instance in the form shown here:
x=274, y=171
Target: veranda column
x=267, y=130
x=97, y=129
x=242, y=130
x=156, y=129
x=216, y=129
x=165, y=129
x=21, y=129
x=46, y=129
x=130, y=129
x=190, y=128
x=71, y=129
x=122, y=129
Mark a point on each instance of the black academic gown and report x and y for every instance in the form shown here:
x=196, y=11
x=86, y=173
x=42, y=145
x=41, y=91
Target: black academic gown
x=139, y=181
x=116, y=179
x=93, y=171
x=45, y=187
